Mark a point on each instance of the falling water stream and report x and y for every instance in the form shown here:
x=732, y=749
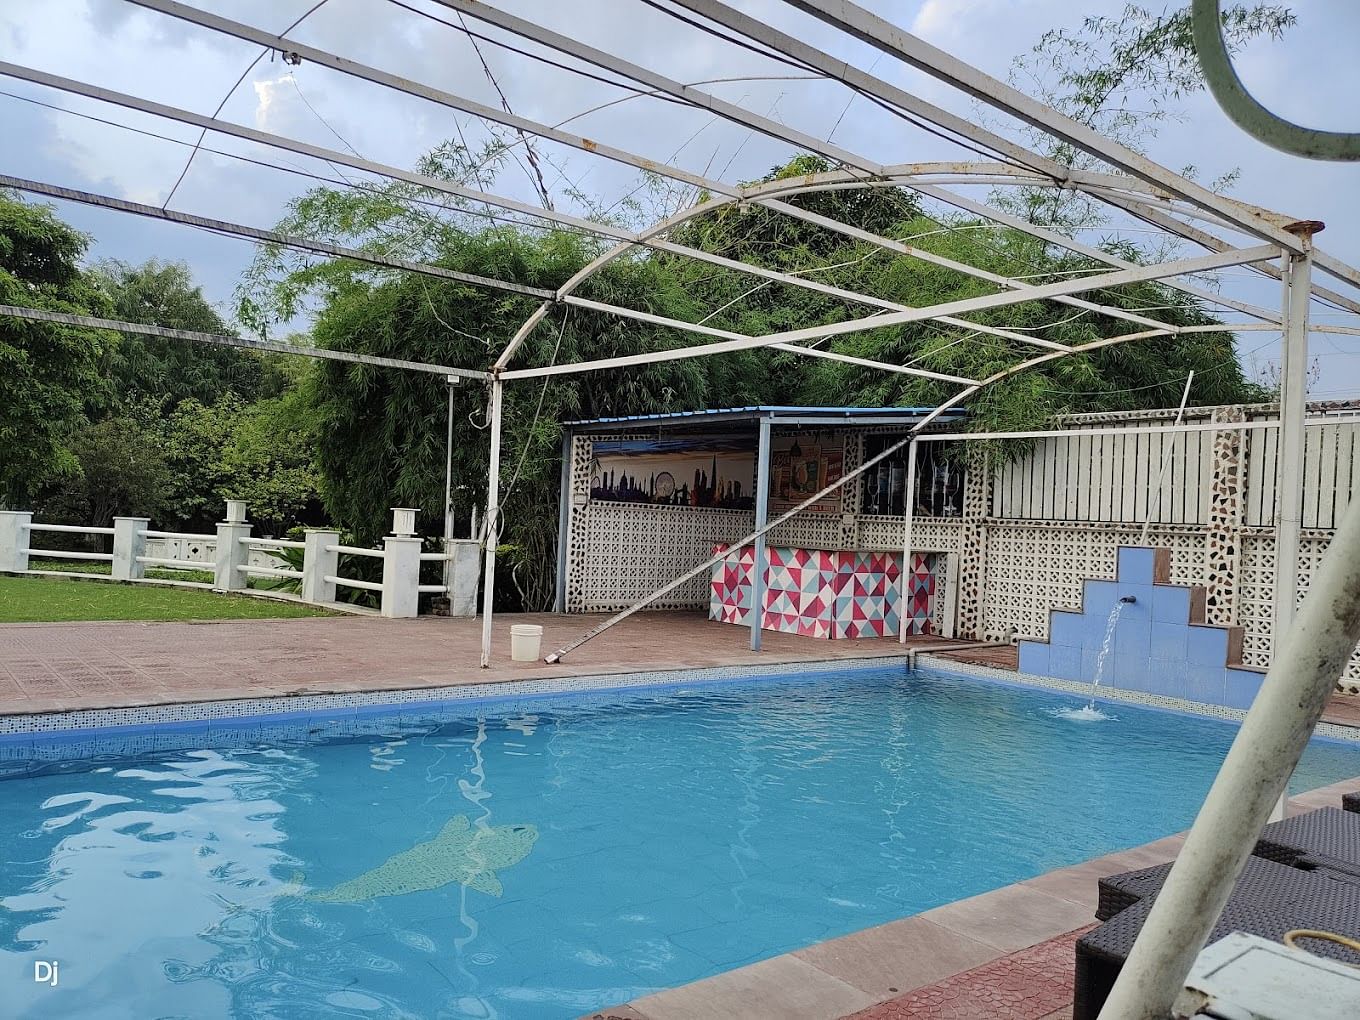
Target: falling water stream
x=1089, y=712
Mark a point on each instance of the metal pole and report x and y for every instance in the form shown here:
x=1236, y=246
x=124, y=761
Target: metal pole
x=564, y=509
x=1311, y=649
x=908, y=519
x=1302, y=675
x=1289, y=456
x=762, y=515
x=448, y=495
x=492, y=524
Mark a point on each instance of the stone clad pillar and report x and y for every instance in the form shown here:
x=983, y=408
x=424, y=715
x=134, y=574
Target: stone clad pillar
x=977, y=505
x=1223, y=533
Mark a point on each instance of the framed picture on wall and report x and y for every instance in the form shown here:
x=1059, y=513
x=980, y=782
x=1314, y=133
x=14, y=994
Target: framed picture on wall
x=800, y=470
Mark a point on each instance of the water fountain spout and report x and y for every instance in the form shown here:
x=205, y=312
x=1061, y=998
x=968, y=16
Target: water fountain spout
x=1128, y=600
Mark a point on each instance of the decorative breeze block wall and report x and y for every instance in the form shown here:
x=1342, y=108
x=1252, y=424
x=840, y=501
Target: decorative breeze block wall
x=1161, y=644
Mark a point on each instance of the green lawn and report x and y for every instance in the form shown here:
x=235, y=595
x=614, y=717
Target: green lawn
x=52, y=599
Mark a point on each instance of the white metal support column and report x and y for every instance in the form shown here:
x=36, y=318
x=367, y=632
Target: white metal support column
x=1297, y=279
x=1289, y=459
x=908, y=519
x=492, y=524
x=762, y=515
x=448, y=492
x=1307, y=657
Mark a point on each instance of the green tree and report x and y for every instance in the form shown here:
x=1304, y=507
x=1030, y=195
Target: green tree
x=194, y=440
x=1124, y=76
x=1140, y=374
x=269, y=461
x=48, y=373
x=164, y=369
x=384, y=431
x=121, y=472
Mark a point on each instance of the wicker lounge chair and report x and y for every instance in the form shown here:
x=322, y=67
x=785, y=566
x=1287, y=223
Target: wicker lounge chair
x=1269, y=900
x=1351, y=802
x=1327, y=839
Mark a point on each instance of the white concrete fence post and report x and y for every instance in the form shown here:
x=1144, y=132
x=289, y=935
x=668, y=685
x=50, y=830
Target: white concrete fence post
x=463, y=571
x=318, y=563
x=401, y=566
x=231, y=551
x=14, y=539
x=129, y=543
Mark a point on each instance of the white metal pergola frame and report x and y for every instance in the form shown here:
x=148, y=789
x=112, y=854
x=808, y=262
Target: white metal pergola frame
x=1137, y=187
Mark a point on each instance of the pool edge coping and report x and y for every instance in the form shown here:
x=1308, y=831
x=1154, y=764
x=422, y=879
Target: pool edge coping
x=18, y=728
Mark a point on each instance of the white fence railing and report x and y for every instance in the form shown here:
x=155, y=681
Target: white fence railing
x=233, y=556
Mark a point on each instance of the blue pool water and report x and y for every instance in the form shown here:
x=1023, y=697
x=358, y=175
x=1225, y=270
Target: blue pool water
x=544, y=858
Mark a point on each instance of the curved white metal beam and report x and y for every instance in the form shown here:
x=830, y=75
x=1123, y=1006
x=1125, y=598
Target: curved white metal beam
x=1047, y=291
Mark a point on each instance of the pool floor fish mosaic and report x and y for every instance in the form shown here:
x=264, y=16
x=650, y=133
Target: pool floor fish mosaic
x=462, y=853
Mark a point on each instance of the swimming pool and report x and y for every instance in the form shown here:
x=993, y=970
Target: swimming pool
x=546, y=857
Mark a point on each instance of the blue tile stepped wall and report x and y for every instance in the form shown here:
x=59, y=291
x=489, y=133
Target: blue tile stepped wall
x=1161, y=643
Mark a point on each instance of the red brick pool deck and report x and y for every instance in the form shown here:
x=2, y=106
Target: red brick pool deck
x=58, y=667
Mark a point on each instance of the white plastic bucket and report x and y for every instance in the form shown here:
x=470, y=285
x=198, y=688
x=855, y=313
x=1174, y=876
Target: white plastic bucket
x=525, y=641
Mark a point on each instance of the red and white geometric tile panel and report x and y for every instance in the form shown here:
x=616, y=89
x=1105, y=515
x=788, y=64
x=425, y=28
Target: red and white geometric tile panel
x=825, y=594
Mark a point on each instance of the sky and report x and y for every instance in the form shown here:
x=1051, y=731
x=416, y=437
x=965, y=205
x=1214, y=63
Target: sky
x=1310, y=76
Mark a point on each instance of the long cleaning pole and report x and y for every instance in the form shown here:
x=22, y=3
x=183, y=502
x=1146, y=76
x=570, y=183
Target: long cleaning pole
x=448, y=498
x=491, y=527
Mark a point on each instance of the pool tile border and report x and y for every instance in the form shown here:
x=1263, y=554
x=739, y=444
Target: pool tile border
x=1327, y=730
x=86, y=732
x=329, y=705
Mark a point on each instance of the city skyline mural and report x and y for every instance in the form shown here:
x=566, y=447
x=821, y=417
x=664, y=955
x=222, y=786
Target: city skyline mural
x=716, y=472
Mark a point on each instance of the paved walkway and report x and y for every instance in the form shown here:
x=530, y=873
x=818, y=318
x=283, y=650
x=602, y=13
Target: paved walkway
x=1003, y=955
x=48, y=667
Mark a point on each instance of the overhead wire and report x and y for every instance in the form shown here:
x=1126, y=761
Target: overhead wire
x=230, y=92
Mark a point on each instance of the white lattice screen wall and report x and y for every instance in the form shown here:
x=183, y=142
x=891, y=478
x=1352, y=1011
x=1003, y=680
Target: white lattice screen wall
x=630, y=550
x=928, y=534
x=1032, y=567
x=1256, y=605
x=808, y=531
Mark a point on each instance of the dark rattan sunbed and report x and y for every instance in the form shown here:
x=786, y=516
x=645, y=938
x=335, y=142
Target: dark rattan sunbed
x=1351, y=802
x=1326, y=839
x=1269, y=900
